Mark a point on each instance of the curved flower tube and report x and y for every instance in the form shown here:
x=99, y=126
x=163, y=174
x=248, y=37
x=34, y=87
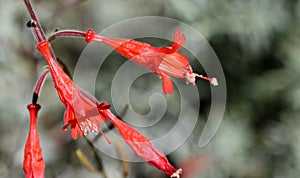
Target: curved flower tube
x=81, y=112
x=33, y=164
x=164, y=62
x=141, y=145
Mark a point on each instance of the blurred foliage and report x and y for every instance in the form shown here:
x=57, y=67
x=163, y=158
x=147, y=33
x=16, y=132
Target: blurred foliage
x=257, y=42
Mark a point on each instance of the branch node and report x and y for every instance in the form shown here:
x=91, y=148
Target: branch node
x=31, y=24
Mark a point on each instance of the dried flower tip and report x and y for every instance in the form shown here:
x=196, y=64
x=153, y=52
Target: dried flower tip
x=45, y=68
x=31, y=24
x=177, y=173
x=55, y=30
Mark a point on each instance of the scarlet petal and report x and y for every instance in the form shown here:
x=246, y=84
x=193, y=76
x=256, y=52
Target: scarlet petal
x=176, y=45
x=178, y=41
x=167, y=84
x=141, y=145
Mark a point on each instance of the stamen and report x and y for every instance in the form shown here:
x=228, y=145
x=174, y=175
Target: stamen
x=87, y=126
x=213, y=80
x=177, y=173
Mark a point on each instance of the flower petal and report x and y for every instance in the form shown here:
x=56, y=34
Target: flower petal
x=178, y=41
x=142, y=146
x=167, y=83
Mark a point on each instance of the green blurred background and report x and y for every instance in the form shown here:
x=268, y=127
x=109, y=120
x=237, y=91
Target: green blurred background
x=258, y=45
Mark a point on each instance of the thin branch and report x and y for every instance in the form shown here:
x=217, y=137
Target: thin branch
x=38, y=86
x=35, y=24
x=66, y=33
x=36, y=27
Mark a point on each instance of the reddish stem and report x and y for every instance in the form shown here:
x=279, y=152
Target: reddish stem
x=38, y=86
x=68, y=33
x=35, y=25
x=37, y=29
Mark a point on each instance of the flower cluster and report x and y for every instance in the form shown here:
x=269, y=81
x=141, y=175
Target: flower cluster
x=84, y=113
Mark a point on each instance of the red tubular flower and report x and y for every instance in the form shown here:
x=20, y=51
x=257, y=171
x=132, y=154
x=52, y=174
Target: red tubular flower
x=140, y=144
x=81, y=113
x=162, y=61
x=33, y=164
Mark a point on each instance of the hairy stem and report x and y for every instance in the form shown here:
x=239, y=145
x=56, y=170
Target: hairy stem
x=38, y=86
x=37, y=29
x=68, y=33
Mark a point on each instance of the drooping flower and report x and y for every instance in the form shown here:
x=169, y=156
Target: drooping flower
x=33, y=164
x=81, y=113
x=164, y=61
x=84, y=113
x=141, y=145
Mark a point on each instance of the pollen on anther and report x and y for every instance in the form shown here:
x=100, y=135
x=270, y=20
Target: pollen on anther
x=214, y=82
x=177, y=173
